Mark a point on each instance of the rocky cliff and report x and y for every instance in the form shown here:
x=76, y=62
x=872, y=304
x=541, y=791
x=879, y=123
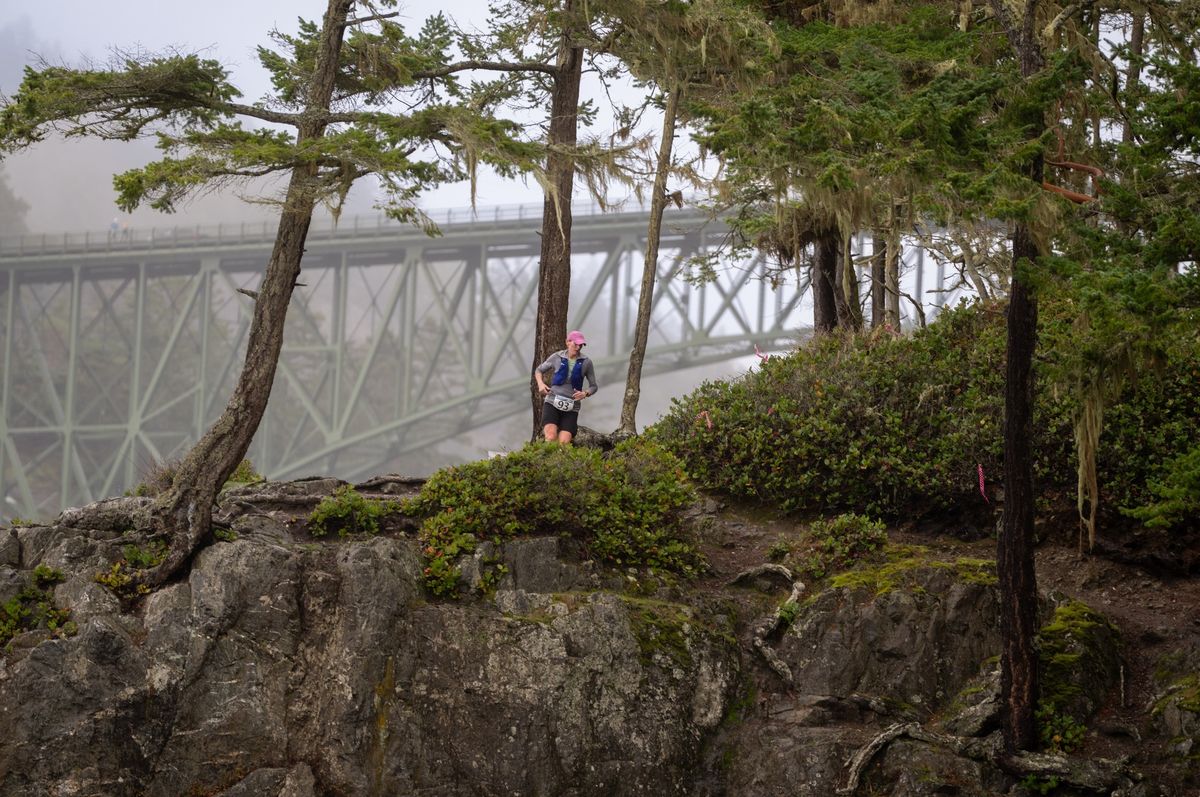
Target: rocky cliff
x=288, y=665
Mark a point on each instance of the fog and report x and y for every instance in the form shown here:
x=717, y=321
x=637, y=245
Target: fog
x=68, y=184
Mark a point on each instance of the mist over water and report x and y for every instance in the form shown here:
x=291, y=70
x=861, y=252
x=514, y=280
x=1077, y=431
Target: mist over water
x=66, y=185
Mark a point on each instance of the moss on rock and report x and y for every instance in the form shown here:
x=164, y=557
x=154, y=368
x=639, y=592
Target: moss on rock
x=903, y=563
x=1080, y=660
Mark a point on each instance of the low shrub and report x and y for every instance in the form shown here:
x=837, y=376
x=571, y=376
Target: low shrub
x=625, y=506
x=347, y=511
x=897, y=426
x=33, y=608
x=838, y=544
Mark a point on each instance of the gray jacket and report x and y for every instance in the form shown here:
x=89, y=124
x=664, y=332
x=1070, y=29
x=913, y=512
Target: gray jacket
x=551, y=367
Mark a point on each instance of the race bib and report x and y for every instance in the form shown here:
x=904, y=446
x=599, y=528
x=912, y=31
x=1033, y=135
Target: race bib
x=562, y=403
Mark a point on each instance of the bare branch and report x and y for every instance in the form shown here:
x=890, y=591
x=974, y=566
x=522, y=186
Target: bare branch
x=1058, y=21
x=255, y=112
x=491, y=66
x=372, y=18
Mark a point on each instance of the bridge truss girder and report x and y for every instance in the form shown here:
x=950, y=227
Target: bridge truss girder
x=116, y=360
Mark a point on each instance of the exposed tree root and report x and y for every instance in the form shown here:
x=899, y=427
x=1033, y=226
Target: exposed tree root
x=778, y=571
x=771, y=624
x=1098, y=775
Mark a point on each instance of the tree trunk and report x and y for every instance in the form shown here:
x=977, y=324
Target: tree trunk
x=185, y=510
x=878, y=281
x=1014, y=547
x=824, y=281
x=849, y=315
x=1133, y=72
x=554, y=267
x=658, y=202
x=891, y=276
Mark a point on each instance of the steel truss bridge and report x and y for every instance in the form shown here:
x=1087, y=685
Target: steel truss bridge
x=118, y=349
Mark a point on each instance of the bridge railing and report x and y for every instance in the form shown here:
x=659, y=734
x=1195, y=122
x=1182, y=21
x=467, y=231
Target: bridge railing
x=230, y=233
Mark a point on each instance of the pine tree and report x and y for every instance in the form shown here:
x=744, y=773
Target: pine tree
x=337, y=86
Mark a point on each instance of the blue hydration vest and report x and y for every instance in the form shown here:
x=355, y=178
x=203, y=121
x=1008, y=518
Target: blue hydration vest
x=560, y=376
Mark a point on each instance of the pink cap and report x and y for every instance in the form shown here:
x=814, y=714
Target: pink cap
x=576, y=337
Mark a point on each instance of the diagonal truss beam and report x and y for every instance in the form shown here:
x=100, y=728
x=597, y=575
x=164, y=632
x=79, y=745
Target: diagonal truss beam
x=419, y=342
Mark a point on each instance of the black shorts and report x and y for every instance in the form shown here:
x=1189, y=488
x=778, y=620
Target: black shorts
x=565, y=421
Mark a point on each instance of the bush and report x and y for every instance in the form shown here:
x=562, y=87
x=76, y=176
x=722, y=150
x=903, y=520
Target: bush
x=839, y=544
x=624, y=506
x=896, y=426
x=348, y=512
x=1176, y=496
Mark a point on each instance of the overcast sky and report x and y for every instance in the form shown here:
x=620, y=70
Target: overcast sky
x=69, y=184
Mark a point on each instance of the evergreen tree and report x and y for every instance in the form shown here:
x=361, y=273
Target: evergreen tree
x=338, y=85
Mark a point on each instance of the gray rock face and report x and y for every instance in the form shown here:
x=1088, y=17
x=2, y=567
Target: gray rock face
x=1175, y=709
x=286, y=668
x=859, y=661
x=290, y=667
x=915, y=645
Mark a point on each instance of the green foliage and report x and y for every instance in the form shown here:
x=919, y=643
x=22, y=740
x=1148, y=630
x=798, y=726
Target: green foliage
x=864, y=107
x=33, y=608
x=120, y=580
x=1177, y=494
x=121, y=577
x=145, y=558
x=779, y=550
x=491, y=572
x=396, y=113
x=1039, y=784
x=225, y=535
x=626, y=507
x=879, y=424
x=837, y=544
x=788, y=613
x=44, y=576
x=895, y=426
x=349, y=512
x=1060, y=733
x=244, y=473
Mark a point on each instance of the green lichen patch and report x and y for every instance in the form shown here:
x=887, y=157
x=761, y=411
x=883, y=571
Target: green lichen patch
x=668, y=633
x=663, y=631
x=903, y=563
x=1183, y=693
